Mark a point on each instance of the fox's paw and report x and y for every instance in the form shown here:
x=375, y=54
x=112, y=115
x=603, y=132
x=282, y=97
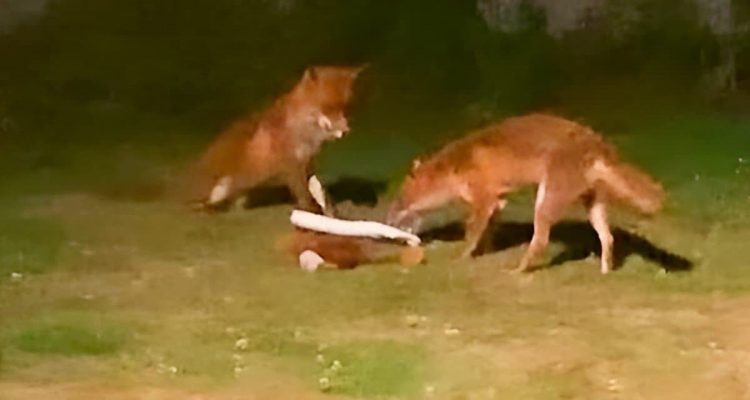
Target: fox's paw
x=467, y=254
x=313, y=208
x=521, y=269
x=197, y=205
x=207, y=208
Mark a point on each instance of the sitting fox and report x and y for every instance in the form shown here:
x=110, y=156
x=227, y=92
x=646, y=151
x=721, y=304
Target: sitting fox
x=567, y=161
x=278, y=144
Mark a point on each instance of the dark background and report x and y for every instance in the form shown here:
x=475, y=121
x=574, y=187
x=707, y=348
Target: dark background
x=168, y=75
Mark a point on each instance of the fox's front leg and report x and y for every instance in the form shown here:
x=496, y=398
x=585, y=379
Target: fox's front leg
x=482, y=209
x=296, y=179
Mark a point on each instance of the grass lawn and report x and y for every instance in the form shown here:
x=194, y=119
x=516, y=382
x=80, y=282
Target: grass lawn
x=109, y=290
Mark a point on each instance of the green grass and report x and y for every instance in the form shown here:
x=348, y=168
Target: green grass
x=550, y=385
x=124, y=290
x=375, y=369
x=69, y=334
x=29, y=245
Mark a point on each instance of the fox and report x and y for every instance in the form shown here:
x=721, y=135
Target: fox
x=567, y=161
x=280, y=143
x=346, y=252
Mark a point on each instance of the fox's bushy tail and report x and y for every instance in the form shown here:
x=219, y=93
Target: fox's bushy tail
x=629, y=184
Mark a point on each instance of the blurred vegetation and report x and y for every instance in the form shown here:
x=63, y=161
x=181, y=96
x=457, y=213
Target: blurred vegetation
x=84, y=66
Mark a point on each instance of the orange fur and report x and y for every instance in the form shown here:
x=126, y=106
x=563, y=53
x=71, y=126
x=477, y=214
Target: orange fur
x=568, y=161
x=348, y=252
x=281, y=142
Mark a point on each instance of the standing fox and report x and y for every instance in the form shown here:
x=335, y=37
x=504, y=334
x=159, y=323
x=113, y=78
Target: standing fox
x=568, y=162
x=279, y=143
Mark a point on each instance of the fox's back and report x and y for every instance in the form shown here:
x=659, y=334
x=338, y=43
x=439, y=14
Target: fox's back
x=519, y=150
x=534, y=136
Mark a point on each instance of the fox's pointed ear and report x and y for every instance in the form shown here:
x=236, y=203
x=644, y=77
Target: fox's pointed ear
x=415, y=164
x=359, y=69
x=311, y=74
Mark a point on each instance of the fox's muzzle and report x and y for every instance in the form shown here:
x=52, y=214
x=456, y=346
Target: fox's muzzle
x=337, y=130
x=395, y=213
x=402, y=217
x=341, y=132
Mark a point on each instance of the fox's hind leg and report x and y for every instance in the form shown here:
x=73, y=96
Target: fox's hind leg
x=598, y=218
x=218, y=198
x=229, y=191
x=221, y=190
x=550, y=204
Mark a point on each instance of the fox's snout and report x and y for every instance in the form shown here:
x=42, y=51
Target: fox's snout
x=338, y=129
x=342, y=131
x=395, y=213
x=401, y=217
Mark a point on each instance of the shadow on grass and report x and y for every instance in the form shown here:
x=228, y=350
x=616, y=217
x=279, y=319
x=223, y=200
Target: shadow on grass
x=359, y=191
x=579, y=240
